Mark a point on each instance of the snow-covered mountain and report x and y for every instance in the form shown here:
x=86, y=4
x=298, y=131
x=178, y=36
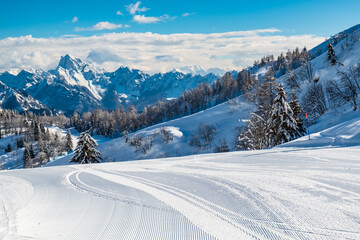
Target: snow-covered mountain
x=199, y=70
x=76, y=85
x=19, y=100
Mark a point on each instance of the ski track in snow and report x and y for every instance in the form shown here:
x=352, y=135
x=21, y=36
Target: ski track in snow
x=273, y=194
x=17, y=192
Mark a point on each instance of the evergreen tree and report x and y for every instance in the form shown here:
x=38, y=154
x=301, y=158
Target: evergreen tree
x=331, y=54
x=27, y=158
x=31, y=151
x=254, y=135
x=266, y=92
x=295, y=106
x=85, y=151
x=20, y=142
x=37, y=131
x=69, y=144
x=282, y=124
x=8, y=148
x=40, y=143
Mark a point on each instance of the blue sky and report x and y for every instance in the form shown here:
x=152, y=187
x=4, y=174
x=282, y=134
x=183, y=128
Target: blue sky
x=161, y=35
x=44, y=18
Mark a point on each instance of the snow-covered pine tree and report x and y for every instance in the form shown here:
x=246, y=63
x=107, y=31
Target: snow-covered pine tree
x=266, y=92
x=295, y=106
x=27, y=158
x=69, y=144
x=37, y=131
x=245, y=139
x=40, y=143
x=331, y=54
x=85, y=151
x=282, y=124
x=253, y=137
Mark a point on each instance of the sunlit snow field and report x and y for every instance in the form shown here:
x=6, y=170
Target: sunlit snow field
x=282, y=193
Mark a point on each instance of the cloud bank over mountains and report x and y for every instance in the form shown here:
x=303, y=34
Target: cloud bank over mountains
x=151, y=52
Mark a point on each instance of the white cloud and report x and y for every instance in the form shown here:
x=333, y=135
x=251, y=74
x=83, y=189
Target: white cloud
x=101, y=56
x=152, y=52
x=144, y=19
x=75, y=19
x=101, y=26
x=133, y=8
x=119, y=13
x=187, y=14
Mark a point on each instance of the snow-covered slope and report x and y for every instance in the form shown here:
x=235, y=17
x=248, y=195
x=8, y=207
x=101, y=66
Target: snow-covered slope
x=334, y=129
x=280, y=193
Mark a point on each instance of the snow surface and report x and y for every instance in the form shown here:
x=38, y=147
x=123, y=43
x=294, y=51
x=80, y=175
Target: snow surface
x=281, y=193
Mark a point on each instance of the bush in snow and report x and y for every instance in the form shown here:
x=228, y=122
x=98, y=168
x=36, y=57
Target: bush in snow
x=166, y=135
x=203, y=137
x=222, y=147
x=136, y=141
x=347, y=88
x=313, y=101
x=125, y=135
x=141, y=144
x=146, y=144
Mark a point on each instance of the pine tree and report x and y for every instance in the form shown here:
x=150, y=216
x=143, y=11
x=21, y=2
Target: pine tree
x=266, y=92
x=40, y=143
x=282, y=124
x=254, y=136
x=85, y=151
x=331, y=54
x=31, y=151
x=8, y=148
x=27, y=158
x=20, y=142
x=295, y=106
x=37, y=131
x=69, y=144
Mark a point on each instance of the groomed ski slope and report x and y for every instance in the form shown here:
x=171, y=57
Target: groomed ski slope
x=281, y=193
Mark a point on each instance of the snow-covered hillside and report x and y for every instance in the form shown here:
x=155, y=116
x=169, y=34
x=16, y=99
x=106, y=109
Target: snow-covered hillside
x=226, y=118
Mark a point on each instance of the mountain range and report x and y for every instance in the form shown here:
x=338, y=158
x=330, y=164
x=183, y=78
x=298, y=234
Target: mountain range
x=75, y=85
